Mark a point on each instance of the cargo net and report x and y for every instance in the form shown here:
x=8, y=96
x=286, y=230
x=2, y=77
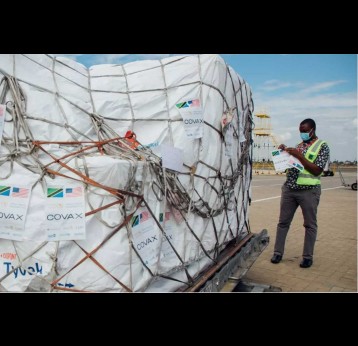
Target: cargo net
x=193, y=214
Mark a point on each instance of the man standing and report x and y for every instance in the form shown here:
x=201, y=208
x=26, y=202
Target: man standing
x=302, y=189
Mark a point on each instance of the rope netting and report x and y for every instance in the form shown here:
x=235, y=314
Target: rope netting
x=195, y=212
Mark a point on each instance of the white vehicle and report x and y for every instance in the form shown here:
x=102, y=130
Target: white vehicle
x=326, y=171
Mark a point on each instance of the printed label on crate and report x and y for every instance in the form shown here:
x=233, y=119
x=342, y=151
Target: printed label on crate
x=14, y=201
x=65, y=213
x=145, y=236
x=192, y=115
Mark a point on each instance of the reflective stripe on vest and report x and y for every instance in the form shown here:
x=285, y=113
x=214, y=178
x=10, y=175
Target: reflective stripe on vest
x=305, y=177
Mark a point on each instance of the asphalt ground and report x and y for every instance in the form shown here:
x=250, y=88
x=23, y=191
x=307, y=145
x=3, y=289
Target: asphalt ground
x=334, y=266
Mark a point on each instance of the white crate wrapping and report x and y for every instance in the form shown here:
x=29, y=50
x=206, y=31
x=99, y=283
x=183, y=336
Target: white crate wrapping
x=63, y=101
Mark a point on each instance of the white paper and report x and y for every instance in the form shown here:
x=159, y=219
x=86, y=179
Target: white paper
x=2, y=120
x=283, y=160
x=172, y=157
x=14, y=201
x=192, y=115
x=145, y=236
x=65, y=213
x=295, y=163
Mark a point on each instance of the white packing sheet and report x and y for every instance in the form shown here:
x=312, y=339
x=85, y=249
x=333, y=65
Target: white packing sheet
x=63, y=101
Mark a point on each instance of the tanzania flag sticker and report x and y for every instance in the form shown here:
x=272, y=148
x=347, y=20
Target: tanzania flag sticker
x=135, y=220
x=5, y=190
x=55, y=192
x=189, y=104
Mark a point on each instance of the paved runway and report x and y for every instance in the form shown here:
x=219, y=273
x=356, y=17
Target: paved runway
x=335, y=259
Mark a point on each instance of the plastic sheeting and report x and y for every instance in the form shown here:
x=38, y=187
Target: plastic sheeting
x=62, y=101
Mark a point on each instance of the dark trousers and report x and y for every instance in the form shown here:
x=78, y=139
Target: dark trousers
x=308, y=200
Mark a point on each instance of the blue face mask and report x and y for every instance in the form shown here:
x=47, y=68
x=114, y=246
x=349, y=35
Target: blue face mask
x=305, y=136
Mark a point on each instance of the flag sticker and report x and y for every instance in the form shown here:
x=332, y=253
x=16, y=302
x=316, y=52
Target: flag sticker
x=275, y=153
x=5, y=190
x=135, y=220
x=74, y=191
x=138, y=219
x=144, y=216
x=54, y=192
x=167, y=216
x=189, y=104
x=20, y=192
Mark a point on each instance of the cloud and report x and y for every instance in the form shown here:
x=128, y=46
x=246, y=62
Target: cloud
x=318, y=87
x=107, y=58
x=70, y=56
x=152, y=56
x=335, y=115
x=295, y=102
x=97, y=59
x=283, y=137
x=274, y=84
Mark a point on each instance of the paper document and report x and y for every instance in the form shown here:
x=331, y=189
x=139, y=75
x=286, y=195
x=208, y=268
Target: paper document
x=283, y=160
x=172, y=157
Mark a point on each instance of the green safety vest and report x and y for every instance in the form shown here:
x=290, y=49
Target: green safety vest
x=305, y=177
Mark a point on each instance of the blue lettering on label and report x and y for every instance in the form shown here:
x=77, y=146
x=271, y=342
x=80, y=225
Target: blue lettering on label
x=23, y=271
x=69, y=285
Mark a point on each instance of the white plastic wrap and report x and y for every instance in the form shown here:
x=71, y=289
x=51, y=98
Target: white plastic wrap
x=63, y=99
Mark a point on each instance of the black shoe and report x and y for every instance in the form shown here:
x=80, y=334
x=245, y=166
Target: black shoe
x=276, y=258
x=306, y=263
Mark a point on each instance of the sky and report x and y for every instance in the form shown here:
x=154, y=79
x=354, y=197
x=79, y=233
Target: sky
x=290, y=88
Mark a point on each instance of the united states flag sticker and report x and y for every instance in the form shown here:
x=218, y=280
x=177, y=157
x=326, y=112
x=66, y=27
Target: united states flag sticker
x=144, y=216
x=20, y=192
x=74, y=191
x=195, y=103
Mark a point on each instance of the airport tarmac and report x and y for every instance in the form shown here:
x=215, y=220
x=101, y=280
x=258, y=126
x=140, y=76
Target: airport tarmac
x=334, y=266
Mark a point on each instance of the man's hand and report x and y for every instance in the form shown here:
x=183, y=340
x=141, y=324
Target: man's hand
x=310, y=166
x=294, y=152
